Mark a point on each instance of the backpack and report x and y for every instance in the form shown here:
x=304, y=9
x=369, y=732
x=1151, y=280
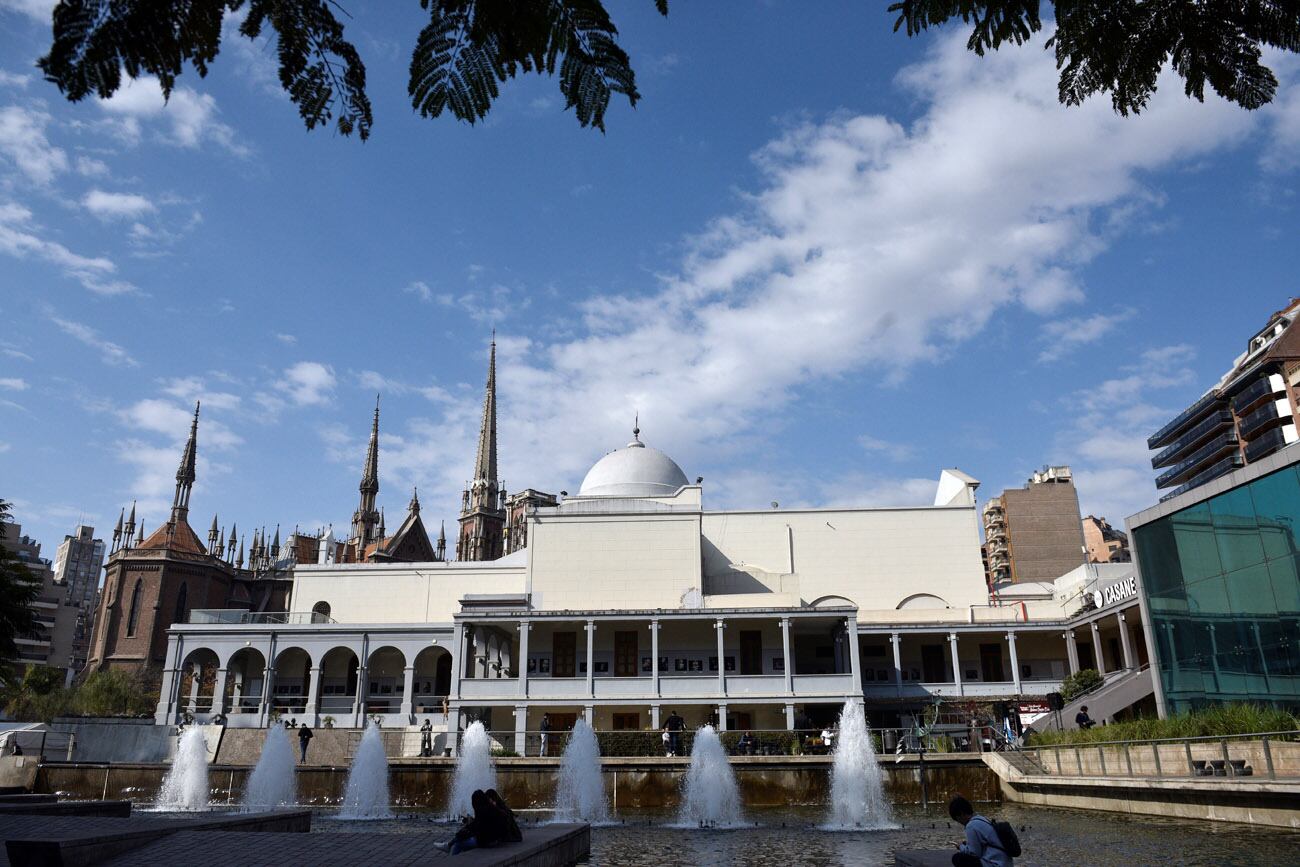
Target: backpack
x=1010, y=843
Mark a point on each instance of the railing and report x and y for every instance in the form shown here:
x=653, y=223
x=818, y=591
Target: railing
x=1266, y=414
x=1253, y=393
x=1160, y=437
x=1175, y=450
x=238, y=616
x=1272, y=755
x=760, y=742
x=1265, y=444
x=1198, y=458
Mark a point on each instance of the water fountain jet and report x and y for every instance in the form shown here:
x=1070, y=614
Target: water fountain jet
x=580, y=795
x=272, y=783
x=857, y=795
x=186, y=785
x=473, y=770
x=710, y=796
x=366, y=795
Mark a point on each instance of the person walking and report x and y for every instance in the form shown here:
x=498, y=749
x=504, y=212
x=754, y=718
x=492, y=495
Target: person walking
x=983, y=846
x=304, y=738
x=546, y=733
x=426, y=738
x=675, y=725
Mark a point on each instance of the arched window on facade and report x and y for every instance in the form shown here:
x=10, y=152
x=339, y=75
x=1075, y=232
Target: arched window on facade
x=320, y=612
x=181, y=599
x=134, y=615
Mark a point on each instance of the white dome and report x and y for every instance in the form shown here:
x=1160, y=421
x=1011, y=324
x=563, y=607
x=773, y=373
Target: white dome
x=634, y=471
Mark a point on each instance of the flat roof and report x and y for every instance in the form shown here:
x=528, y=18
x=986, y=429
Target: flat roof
x=1279, y=460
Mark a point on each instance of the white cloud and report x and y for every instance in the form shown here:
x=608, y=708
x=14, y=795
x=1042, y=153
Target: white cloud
x=1062, y=336
x=192, y=116
x=116, y=206
x=4, y=447
x=13, y=383
x=23, y=142
x=420, y=290
x=192, y=388
x=287, y=339
x=90, y=167
x=308, y=383
x=19, y=238
x=868, y=245
x=110, y=352
x=13, y=79
x=894, y=451
x=173, y=420
x=41, y=10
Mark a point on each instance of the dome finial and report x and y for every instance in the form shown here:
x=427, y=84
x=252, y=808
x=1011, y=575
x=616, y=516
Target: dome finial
x=636, y=426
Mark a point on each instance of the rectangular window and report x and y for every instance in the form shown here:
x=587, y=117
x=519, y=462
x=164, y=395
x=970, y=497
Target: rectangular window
x=564, y=648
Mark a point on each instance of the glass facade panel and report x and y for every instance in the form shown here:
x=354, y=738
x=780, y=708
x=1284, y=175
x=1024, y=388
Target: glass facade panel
x=1222, y=580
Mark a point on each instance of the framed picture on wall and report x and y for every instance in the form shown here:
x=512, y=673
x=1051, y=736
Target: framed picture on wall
x=582, y=668
x=602, y=667
x=544, y=665
x=869, y=674
x=696, y=665
x=532, y=666
x=663, y=663
x=729, y=663
x=713, y=663
x=778, y=663
x=679, y=664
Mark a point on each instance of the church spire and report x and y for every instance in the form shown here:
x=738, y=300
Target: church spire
x=365, y=519
x=485, y=465
x=128, y=529
x=185, y=472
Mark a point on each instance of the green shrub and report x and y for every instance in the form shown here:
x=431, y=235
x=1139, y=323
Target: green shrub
x=1079, y=683
x=114, y=693
x=1217, y=721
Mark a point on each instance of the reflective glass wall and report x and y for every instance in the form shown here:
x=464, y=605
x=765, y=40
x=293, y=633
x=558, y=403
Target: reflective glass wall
x=1222, y=580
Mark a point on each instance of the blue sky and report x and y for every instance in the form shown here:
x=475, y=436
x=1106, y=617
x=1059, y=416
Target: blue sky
x=822, y=261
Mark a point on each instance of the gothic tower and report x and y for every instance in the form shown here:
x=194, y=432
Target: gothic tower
x=483, y=509
x=366, y=520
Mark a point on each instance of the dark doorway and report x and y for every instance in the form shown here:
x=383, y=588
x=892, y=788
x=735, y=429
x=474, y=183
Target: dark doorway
x=991, y=663
x=751, y=652
x=625, y=653
x=933, y=667
x=564, y=647
x=1086, y=657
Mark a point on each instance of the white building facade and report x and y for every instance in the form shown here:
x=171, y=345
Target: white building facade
x=632, y=601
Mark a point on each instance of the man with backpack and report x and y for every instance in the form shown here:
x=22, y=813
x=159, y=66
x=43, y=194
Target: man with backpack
x=988, y=843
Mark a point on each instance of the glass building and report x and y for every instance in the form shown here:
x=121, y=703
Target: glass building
x=1220, y=568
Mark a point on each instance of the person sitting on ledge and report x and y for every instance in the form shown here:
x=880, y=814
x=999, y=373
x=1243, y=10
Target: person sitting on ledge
x=512, y=832
x=486, y=829
x=983, y=847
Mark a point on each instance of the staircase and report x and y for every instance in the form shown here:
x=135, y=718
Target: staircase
x=1023, y=762
x=1119, y=691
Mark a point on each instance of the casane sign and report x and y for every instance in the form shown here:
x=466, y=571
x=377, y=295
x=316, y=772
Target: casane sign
x=1117, y=592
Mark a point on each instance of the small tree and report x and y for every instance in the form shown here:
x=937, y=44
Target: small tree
x=18, y=591
x=114, y=693
x=1080, y=682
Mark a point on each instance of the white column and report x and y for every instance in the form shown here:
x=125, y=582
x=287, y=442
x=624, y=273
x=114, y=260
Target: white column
x=789, y=717
x=408, y=692
x=268, y=696
x=1071, y=651
x=521, y=729
x=363, y=693
x=654, y=717
x=589, y=714
x=1125, y=641
x=720, y=625
x=219, y=692
x=457, y=661
x=654, y=665
x=313, y=696
x=196, y=677
x=165, y=713
x=591, y=659
x=956, y=663
x=1015, y=661
x=855, y=653
x=789, y=659
x=722, y=717
x=525, y=627
x=1096, y=648
x=897, y=640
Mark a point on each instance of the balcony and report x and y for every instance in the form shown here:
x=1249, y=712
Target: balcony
x=1265, y=444
x=1265, y=387
x=1227, y=465
x=1199, y=460
x=1181, y=447
x=238, y=616
x=1167, y=433
x=1269, y=413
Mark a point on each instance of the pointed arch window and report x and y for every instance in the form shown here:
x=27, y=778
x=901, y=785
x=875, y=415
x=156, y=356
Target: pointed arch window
x=134, y=616
x=181, y=599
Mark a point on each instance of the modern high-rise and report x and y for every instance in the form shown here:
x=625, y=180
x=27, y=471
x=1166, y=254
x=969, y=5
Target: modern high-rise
x=77, y=565
x=1249, y=414
x=51, y=640
x=1105, y=544
x=1034, y=533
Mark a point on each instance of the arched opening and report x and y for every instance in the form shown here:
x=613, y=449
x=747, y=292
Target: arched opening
x=922, y=601
x=432, y=679
x=198, y=681
x=338, y=685
x=245, y=672
x=320, y=612
x=832, y=602
x=133, y=618
x=182, y=600
x=292, y=679
x=385, y=680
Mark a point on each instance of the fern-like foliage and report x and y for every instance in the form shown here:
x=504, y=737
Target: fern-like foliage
x=1120, y=46
x=95, y=41
x=470, y=46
